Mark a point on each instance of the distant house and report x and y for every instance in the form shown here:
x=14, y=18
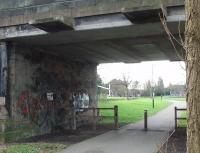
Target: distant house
x=177, y=90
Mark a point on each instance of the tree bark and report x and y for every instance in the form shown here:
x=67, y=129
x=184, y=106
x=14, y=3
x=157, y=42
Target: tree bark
x=192, y=46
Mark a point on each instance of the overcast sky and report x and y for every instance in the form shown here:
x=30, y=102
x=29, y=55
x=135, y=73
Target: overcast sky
x=170, y=72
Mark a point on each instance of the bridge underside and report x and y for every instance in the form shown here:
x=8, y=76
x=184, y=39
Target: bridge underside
x=48, y=67
x=129, y=44
x=52, y=68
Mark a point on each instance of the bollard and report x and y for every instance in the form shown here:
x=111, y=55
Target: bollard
x=145, y=120
x=116, y=119
x=175, y=117
x=153, y=103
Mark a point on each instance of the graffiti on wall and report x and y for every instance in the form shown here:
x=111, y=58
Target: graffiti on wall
x=47, y=109
x=80, y=100
x=32, y=108
x=54, y=89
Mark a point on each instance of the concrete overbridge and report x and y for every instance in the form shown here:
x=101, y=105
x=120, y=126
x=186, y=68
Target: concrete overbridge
x=50, y=49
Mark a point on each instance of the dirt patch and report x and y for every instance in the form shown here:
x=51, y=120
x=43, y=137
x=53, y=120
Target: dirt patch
x=69, y=137
x=176, y=143
x=51, y=143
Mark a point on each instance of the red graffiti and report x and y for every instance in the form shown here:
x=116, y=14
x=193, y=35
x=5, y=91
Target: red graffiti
x=23, y=96
x=22, y=103
x=25, y=111
x=37, y=108
x=32, y=108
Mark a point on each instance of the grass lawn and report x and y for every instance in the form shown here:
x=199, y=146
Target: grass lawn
x=182, y=123
x=132, y=110
x=33, y=148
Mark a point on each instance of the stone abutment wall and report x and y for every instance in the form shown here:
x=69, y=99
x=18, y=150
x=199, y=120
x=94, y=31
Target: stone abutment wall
x=45, y=89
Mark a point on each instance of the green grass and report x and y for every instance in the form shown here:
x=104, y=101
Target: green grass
x=33, y=148
x=132, y=110
x=183, y=123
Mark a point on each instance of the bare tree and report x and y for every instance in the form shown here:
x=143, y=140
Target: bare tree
x=147, y=89
x=135, y=85
x=192, y=45
x=126, y=82
x=192, y=59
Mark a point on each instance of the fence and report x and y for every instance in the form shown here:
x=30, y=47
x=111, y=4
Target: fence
x=176, y=110
x=95, y=116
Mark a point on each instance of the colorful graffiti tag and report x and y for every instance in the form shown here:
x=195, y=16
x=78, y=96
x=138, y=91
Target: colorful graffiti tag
x=47, y=110
x=80, y=100
x=32, y=108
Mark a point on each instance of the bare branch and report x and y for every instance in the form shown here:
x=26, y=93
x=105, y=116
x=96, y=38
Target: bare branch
x=171, y=37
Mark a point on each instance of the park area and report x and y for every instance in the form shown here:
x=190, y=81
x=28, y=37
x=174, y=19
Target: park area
x=130, y=111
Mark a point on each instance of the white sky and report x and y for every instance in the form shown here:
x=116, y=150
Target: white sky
x=171, y=72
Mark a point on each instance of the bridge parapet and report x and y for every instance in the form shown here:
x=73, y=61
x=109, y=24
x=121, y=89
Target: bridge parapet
x=14, y=13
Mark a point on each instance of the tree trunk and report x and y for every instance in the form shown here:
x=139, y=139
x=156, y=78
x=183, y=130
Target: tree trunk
x=127, y=92
x=192, y=45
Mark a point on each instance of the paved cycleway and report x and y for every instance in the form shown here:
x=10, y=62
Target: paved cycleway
x=132, y=138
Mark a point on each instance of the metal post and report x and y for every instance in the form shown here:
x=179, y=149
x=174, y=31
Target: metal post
x=109, y=90
x=175, y=116
x=116, y=119
x=153, y=102
x=145, y=120
x=152, y=88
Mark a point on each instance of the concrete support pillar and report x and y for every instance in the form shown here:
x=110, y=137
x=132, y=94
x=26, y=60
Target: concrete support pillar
x=93, y=89
x=3, y=89
x=3, y=69
x=28, y=75
x=3, y=118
